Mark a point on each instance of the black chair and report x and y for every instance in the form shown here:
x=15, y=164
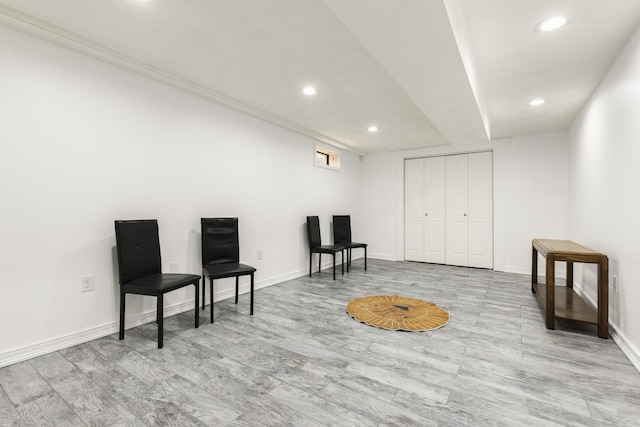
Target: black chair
x=140, y=269
x=342, y=236
x=316, y=246
x=221, y=255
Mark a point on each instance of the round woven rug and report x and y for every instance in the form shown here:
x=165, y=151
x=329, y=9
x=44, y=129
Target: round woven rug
x=398, y=313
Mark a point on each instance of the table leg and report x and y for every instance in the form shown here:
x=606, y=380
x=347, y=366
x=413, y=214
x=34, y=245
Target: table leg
x=603, y=298
x=569, y=274
x=534, y=268
x=550, y=315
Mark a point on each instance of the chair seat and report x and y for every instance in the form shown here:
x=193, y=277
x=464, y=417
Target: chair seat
x=228, y=269
x=157, y=284
x=350, y=245
x=327, y=249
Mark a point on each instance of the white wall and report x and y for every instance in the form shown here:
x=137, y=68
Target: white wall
x=535, y=193
x=530, y=190
x=604, y=180
x=380, y=202
x=83, y=143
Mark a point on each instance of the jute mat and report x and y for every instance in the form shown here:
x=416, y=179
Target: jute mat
x=398, y=313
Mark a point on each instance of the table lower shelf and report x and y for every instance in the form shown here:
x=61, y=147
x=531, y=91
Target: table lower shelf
x=569, y=305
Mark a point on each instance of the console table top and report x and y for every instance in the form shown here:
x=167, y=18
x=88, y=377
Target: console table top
x=552, y=246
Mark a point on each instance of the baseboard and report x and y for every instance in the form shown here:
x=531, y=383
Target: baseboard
x=34, y=350
x=560, y=273
x=48, y=346
x=629, y=350
x=516, y=270
x=619, y=338
x=384, y=257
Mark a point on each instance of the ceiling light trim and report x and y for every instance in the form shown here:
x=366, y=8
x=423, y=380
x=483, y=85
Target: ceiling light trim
x=551, y=24
x=309, y=90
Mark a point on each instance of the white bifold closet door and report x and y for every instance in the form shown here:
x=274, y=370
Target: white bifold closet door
x=434, y=210
x=425, y=210
x=480, y=210
x=414, y=210
x=449, y=210
x=457, y=228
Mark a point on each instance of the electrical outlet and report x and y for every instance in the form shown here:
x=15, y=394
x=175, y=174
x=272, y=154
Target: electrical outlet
x=614, y=282
x=260, y=254
x=86, y=283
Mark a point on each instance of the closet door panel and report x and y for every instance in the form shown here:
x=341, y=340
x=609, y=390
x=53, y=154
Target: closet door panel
x=480, y=210
x=414, y=210
x=435, y=209
x=456, y=191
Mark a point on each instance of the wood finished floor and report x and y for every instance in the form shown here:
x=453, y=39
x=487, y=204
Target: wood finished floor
x=301, y=360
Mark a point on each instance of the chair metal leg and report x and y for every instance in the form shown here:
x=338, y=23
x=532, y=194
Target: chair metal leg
x=348, y=263
x=197, y=285
x=319, y=263
x=251, y=306
x=122, y=306
x=310, y=262
x=365, y=258
x=237, y=277
x=334, y=266
x=160, y=317
x=342, y=257
x=211, y=297
x=204, y=287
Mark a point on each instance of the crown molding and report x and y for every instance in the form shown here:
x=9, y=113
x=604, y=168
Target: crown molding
x=30, y=25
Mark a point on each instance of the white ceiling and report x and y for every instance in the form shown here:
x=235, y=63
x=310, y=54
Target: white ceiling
x=426, y=72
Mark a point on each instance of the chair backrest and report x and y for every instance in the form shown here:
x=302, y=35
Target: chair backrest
x=341, y=229
x=313, y=231
x=138, y=249
x=220, y=240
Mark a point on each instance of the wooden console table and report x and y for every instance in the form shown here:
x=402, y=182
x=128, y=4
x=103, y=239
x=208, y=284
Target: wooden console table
x=564, y=302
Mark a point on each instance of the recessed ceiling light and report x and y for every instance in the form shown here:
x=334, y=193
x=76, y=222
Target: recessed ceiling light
x=372, y=129
x=537, y=101
x=309, y=90
x=552, y=23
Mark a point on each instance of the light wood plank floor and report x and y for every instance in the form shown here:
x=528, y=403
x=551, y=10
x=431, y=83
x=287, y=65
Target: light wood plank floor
x=301, y=360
